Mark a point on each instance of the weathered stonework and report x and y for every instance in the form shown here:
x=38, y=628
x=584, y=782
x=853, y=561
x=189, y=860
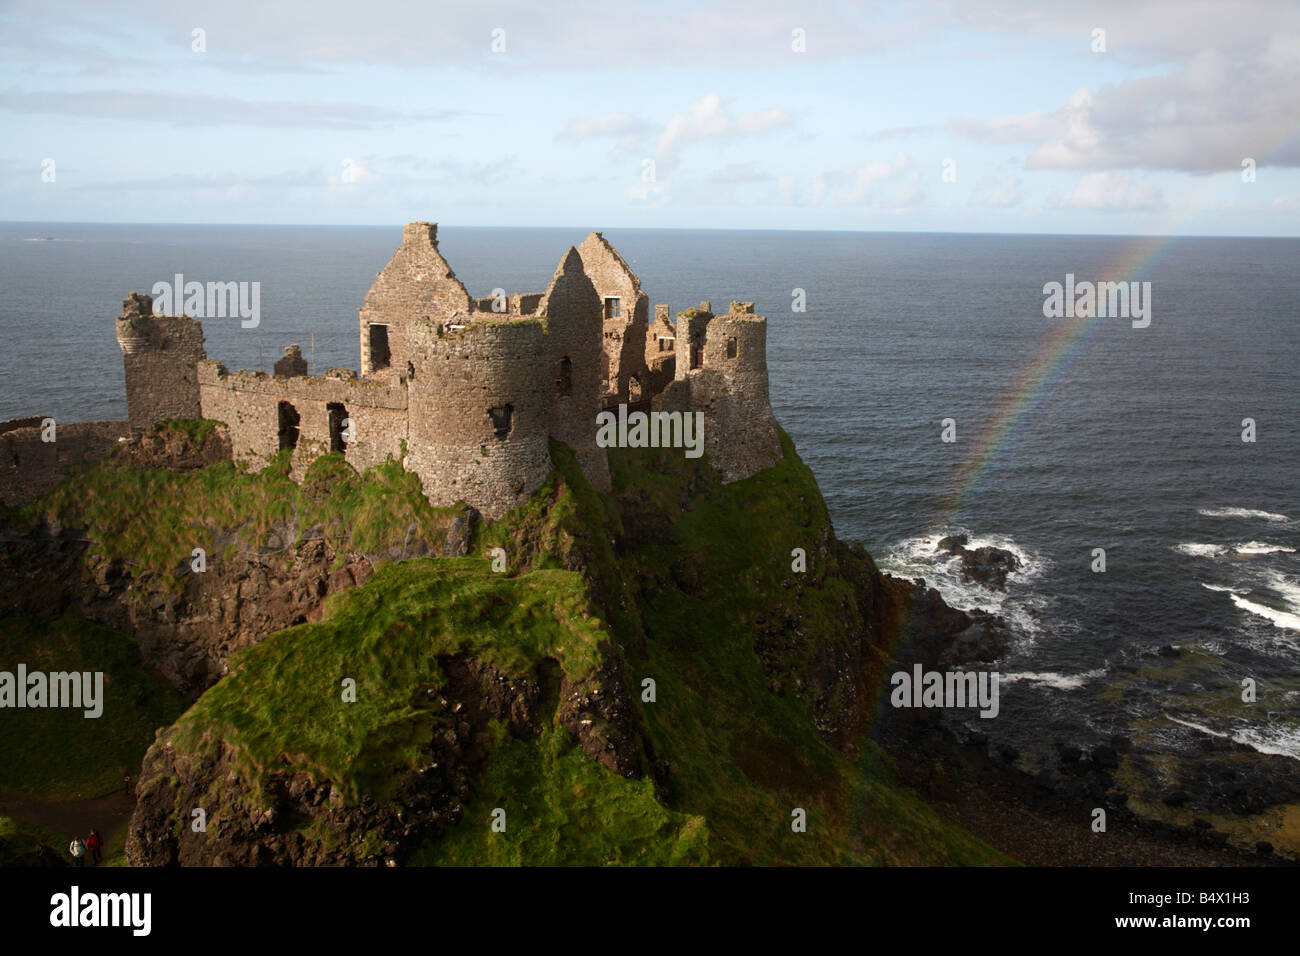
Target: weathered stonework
x=573, y=322
x=723, y=372
x=249, y=403
x=292, y=364
x=416, y=285
x=469, y=391
x=626, y=375
x=29, y=466
x=159, y=353
x=478, y=431
x=661, y=351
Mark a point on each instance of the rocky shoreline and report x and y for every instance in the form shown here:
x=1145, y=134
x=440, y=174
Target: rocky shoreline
x=1045, y=815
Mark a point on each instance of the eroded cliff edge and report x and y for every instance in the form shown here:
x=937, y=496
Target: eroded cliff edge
x=648, y=680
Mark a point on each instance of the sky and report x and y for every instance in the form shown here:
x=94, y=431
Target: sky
x=1163, y=117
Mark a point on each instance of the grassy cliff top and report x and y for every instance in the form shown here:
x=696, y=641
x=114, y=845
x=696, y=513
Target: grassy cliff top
x=675, y=578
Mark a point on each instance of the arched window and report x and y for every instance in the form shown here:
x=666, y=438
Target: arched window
x=564, y=377
x=634, y=388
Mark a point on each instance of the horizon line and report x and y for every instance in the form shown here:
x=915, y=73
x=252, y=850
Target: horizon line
x=449, y=225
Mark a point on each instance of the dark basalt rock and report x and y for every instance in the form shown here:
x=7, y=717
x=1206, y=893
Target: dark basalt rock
x=986, y=566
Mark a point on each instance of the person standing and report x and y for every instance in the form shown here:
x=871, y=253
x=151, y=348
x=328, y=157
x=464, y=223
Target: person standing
x=126, y=783
x=95, y=844
x=78, y=851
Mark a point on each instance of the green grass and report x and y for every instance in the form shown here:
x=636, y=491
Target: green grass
x=742, y=756
x=152, y=519
x=700, y=574
x=26, y=844
x=197, y=430
x=563, y=808
x=58, y=754
x=282, y=708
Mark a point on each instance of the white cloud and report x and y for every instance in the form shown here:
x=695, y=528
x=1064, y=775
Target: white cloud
x=191, y=109
x=628, y=130
x=1111, y=191
x=996, y=193
x=1229, y=86
x=707, y=119
x=892, y=185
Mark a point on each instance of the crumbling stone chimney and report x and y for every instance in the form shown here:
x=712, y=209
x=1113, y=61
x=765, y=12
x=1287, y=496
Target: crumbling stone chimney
x=292, y=365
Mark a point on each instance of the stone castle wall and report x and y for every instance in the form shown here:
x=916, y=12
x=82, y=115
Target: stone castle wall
x=573, y=340
x=249, y=404
x=660, y=352
x=417, y=284
x=740, y=432
x=159, y=354
x=477, y=429
x=472, y=394
x=626, y=375
x=29, y=467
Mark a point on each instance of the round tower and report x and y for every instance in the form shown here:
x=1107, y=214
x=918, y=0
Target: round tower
x=479, y=412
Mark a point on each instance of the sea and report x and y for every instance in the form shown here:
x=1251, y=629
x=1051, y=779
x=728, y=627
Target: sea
x=1068, y=435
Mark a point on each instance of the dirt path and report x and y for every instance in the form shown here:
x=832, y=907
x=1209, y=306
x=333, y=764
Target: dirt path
x=108, y=814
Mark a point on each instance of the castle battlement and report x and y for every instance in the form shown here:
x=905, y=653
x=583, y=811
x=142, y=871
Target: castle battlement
x=469, y=396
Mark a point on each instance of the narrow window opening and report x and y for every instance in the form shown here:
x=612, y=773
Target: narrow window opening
x=380, y=356
x=338, y=415
x=564, y=377
x=731, y=348
x=613, y=306
x=634, y=388
x=288, y=416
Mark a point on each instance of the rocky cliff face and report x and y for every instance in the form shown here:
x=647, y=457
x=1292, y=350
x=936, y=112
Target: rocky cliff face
x=674, y=576
x=295, y=819
x=188, y=634
x=188, y=624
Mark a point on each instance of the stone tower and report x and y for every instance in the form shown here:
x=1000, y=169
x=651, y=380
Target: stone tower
x=478, y=416
x=159, y=356
x=417, y=285
x=625, y=313
x=572, y=310
x=721, y=370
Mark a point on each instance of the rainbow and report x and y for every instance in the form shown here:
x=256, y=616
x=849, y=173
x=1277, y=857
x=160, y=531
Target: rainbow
x=1046, y=368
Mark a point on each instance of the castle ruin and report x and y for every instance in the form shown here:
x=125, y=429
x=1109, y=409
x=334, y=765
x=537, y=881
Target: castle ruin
x=468, y=392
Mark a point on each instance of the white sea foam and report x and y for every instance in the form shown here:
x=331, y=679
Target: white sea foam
x=916, y=557
x=1268, y=739
x=1052, y=679
x=1284, y=619
x=1201, y=550
x=1241, y=513
x=1261, y=547
x=1287, y=587
x=1220, y=587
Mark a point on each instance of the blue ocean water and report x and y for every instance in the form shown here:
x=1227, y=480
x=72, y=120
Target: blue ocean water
x=1134, y=446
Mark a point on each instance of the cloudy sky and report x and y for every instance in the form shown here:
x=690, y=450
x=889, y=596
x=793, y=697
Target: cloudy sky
x=1116, y=116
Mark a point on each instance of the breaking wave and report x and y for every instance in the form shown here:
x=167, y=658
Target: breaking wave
x=1241, y=513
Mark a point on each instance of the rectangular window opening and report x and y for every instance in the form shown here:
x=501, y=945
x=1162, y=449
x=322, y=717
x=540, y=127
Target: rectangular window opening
x=380, y=356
